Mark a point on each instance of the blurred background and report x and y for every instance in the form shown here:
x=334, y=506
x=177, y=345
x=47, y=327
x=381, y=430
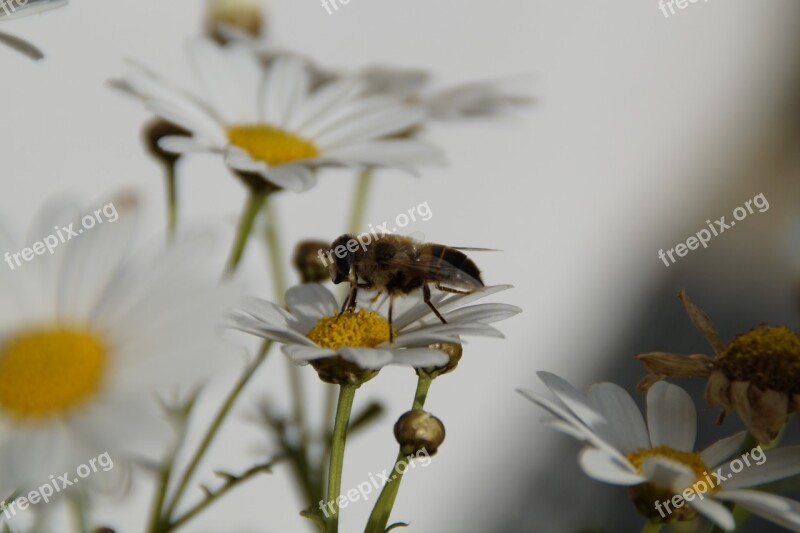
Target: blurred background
x=644, y=127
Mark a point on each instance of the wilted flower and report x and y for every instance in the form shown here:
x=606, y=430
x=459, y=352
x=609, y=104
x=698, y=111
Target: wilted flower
x=757, y=374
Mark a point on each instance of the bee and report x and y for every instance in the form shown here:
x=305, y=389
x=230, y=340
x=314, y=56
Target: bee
x=399, y=265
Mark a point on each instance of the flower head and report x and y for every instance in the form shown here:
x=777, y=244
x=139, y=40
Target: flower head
x=351, y=347
x=270, y=122
x=756, y=373
x=656, y=459
x=88, y=337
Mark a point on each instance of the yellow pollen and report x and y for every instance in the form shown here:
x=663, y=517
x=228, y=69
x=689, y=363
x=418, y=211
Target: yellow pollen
x=271, y=145
x=361, y=329
x=45, y=372
x=690, y=459
x=766, y=356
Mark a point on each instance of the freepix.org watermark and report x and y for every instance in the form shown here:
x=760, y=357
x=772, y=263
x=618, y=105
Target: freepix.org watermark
x=57, y=484
x=365, y=488
x=62, y=235
x=700, y=487
x=332, y=5
x=670, y=5
x=401, y=221
x=719, y=226
x=8, y=7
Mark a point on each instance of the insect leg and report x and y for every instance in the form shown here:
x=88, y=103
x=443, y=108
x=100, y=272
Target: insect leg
x=451, y=290
x=426, y=296
x=391, y=331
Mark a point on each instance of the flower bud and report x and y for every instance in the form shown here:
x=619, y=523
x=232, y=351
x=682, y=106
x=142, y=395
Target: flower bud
x=418, y=430
x=157, y=129
x=308, y=261
x=453, y=352
x=245, y=16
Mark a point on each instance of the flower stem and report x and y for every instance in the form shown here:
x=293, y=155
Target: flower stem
x=345, y=404
x=359, y=207
x=379, y=517
x=78, y=503
x=651, y=527
x=211, y=433
x=172, y=197
x=255, y=201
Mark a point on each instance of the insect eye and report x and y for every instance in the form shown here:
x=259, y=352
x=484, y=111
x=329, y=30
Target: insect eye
x=343, y=260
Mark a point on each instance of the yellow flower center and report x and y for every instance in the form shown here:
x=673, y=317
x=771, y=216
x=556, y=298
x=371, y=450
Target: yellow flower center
x=364, y=329
x=646, y=495
x=766, y=356
x=271, y=145
x=48, y=371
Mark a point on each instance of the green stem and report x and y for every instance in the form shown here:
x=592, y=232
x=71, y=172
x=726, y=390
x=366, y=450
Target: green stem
x=344, y=406
x=360, y=201
x=357, y=212
x=78, y=503
x=652, y=527
x=255, y=201
x=212, y=431
x=172, y=197
x=379, y=518
x=211, y=498
x=161, y=492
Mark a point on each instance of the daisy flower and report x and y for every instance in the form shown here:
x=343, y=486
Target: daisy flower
x=668, y=480
x=757, y=374
x=11, y=9
x=269, y=121
x=354, y=346
x=88, y=336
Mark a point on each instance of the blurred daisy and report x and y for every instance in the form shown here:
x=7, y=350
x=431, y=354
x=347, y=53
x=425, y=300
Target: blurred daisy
x=269, y=121
x=757, y=374
x=351, y=347
x=88, y=337
x=656, y=459
x=11, y=9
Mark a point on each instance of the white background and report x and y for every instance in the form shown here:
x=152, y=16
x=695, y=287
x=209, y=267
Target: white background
x=639, y=123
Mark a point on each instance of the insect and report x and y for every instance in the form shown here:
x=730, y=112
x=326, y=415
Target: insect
x=399, y=265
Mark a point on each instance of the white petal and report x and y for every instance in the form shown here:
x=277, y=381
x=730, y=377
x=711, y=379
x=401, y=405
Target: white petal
x=723, y=448
x=370, y=124
x=622, y=413
x=419, y=357
x=603, y=467
x=667, y=473
x=671, y=417
x=370, y=358
x=310, y=302
x=782, y=511
x=778, y=463
x=400, y=153
x=715, y=512
x=323, y=103
x=576, y=403
x=299, y=354
x=285, y=88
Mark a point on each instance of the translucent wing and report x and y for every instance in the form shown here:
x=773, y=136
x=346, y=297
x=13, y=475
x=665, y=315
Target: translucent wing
x=444, y=265
x=11, y=9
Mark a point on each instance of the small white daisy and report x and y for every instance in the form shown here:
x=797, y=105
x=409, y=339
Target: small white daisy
x=90, y=336
x=12, y=9
x=312, y=330
x=657, y=460
x=268, y=120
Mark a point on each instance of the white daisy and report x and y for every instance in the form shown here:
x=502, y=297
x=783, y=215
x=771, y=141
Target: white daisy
x=268, y=120
x=312, y=330
x=88, y=337
x=12, y=9
x=657, y=458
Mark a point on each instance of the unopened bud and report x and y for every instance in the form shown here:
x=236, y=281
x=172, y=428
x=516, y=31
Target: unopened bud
x=453, y=352
x=418, y=430
x=245, y=16
x=308, y=259
x=157, y=129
